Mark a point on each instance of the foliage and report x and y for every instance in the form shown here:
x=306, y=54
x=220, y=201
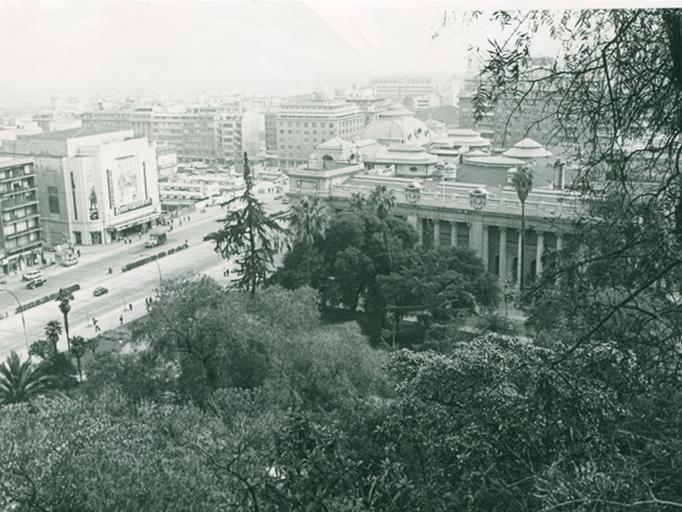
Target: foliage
x=309, y=219
x=442, y=284
x=247, y=233
x=64, y=298
x=21, y=381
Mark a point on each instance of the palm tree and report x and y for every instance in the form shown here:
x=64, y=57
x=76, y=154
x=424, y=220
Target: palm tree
x=20, y=382
x=523, y=183
x=79, y=346
x=309, y=219
x=53, y=329
x=358, y=201
x=64, y=298
x=382, y=200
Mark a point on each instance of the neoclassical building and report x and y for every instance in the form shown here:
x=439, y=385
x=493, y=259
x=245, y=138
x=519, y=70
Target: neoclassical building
x=481, y=212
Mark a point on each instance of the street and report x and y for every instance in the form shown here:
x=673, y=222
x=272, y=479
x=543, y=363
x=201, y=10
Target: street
x=124, y=288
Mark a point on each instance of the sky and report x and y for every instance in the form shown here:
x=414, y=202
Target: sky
x=261, y=46
x=72, y=47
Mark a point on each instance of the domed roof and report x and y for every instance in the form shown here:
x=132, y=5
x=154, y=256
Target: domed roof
x=336, y=143
x=463, y=137
x=397, y=125
x=527, y=148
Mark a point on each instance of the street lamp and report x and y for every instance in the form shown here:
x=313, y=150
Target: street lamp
x=21, y=311
x=159, y=269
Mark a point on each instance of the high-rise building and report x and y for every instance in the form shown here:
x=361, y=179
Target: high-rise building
x=94, y=184
x=20, y=229
x=399, y=88
x=208, y=134
x=305, y=122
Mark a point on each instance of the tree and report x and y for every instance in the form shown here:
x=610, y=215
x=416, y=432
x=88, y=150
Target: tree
x=309, y=220
x=523, y=183
x=64, y=299
x=47, y=348
x=247, y=233
x=21, y=382
x=442, y=284
x=79, y=346
x=382, y=200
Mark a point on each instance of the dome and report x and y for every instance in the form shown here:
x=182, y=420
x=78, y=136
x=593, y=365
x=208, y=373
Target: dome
x=397, y=125
x=462, y=137
x=527, y=148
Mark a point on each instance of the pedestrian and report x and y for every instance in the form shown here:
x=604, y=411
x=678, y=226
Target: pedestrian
x=120, y=319
x=130, y=307
x=78, y=251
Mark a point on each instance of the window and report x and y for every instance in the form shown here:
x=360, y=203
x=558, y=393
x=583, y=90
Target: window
x=53, y=200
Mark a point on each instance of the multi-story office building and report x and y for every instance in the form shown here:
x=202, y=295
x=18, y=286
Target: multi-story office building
x=20, y=229
x=207, y=134
x=305, y=122
x=399, y=88
x=94, y=184
x=371, y=106
x=271, y=132
x=509, y=120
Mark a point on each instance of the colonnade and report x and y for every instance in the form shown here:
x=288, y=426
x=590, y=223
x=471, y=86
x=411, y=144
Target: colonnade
x=498, y=246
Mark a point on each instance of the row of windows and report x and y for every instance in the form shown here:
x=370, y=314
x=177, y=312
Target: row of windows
x=16, y=172
x=21, y=241
x=20, y=226
x=19, y=213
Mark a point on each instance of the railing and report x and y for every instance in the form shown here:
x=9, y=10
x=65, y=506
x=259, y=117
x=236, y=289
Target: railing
x=534, y=207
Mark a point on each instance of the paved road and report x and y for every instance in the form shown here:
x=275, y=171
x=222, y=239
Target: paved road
x=124, y=288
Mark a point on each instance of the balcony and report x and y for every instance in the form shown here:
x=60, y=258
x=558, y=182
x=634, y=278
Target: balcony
x=19, y=190
x=15, y=202
x=24, y=232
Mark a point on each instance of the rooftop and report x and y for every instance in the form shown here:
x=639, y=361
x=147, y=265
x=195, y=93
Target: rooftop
x=72, y=133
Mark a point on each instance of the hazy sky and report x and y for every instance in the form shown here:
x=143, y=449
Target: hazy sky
x=264, y=46
x=62, y=46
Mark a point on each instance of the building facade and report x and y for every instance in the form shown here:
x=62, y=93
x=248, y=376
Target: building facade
x=20, y=227
x=399, y=88
x=94, y=185
x=206, y=134
x=484, y=217
x=303, y=123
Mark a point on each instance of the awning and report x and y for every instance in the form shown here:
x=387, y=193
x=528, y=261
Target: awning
x=125, y=224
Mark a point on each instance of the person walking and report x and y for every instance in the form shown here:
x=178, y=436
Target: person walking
x=96, y=324
x=130, y=307
x=120, y=319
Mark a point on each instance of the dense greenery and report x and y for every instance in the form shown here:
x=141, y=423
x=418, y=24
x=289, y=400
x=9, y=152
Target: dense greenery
x=367, y=261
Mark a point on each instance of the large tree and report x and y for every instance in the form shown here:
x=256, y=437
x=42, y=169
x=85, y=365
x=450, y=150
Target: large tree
x=308, y=221
x=64, y=299
x=247, y=233
x=21, y=381
x=522, y=181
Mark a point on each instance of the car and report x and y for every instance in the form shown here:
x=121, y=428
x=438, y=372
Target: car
x=100, y=290
x=69, y=262
x=30, y=275
x=35, y=283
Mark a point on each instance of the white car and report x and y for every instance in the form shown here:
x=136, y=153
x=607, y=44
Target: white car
x=31, y=275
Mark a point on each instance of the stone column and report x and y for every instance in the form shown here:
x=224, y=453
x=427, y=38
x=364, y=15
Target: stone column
x=436, y=233
x=420, y=231
x=485, y=246
x=539, y=251
x=453, y=234
x=518, y=260
x=559, y=242
x=476, y=238
x=503, y=254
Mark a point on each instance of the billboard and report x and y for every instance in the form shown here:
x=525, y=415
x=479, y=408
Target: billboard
x=125, y=181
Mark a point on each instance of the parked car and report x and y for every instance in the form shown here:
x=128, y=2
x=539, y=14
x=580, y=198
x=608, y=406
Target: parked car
x=100, y=290
x=35, y=283
x=30, y=275
x=69, y=262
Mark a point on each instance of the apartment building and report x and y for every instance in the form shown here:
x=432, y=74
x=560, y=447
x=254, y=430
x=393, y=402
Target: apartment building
x=20, y=228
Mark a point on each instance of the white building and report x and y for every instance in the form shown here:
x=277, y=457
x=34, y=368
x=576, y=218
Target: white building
x=94, y=185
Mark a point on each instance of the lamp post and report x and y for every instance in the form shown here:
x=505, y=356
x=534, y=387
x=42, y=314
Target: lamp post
x=21, y=311
x=158, y=267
